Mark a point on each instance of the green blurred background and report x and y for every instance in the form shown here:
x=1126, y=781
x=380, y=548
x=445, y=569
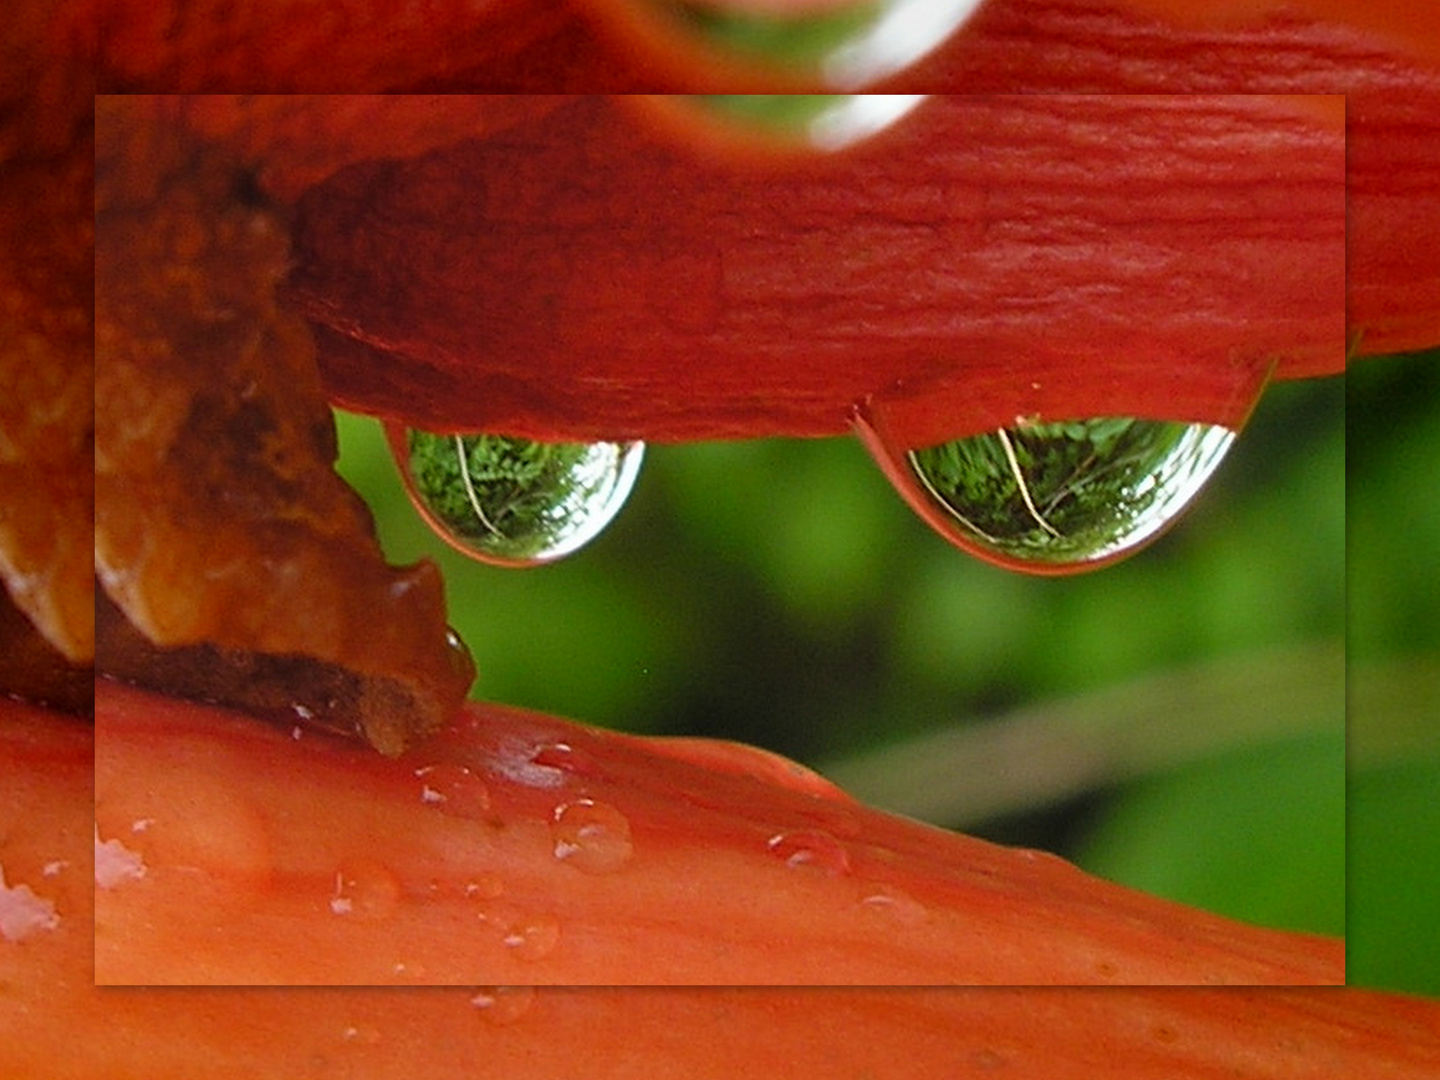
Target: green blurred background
x=1175, y=722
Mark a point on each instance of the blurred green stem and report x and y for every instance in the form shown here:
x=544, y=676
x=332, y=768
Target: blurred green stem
x=974, y=772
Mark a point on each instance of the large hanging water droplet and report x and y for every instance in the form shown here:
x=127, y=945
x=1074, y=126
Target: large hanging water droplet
x=840, y=46
x=1057, y=497
x=513, y=501
x=813, y=121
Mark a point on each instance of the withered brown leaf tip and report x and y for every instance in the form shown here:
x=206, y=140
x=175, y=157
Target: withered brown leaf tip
x=241, y=567
x=47, y=377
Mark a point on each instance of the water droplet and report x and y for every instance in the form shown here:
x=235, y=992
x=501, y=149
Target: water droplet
x=365, y=889
x=503, y=1004
x=840, y=46
x=810, y=849
x=825, y=122
x=571, y=759
x=484, y=887
x=1056, y=497
x=988, y=1059
x=533, y=938
x=453, y=789
x=513, y=501
x=115, y=863
x=752, y=761
x=895, y=904
x=591, y=836
x=23, y=913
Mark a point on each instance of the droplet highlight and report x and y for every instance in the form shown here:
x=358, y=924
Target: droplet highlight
x=810, y=849
x=453, y=789
x=842, y=47
x=364, y=890
x=23, y=913
x=591, y=836
x=510, y=501
x=824, y=122
x=503, y=1004
x=574, y=760
x=116, y=864
x=1057, y=497
x=533, y=938
x=896, y=905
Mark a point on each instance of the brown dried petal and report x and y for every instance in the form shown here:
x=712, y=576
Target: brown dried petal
x=220, y=521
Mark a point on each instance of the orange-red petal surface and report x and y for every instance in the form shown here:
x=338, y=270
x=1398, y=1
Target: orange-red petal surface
x=516, y=847
x=54, y=1024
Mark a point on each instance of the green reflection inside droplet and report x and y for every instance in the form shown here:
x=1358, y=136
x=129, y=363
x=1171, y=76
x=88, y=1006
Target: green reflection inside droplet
x=804, y=39
x=517, y=501
x=789, y=115
x=846, y=46
x=1069, y=492
x=821, y=121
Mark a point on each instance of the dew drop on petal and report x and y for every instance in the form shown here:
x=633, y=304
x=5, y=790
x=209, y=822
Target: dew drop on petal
x=532, y=938
x=844, y=46
x=591, y=836
x=810, y=849
x=503, y=1004
x=896, y=905
x=484, y=887
x=364, y=889
x=988, y=1059
x=362, y=1035
x=512, y=501
x=453, y=789
x=23, y=913
x=116, y=864
x=1056, y=497
x=568, y=758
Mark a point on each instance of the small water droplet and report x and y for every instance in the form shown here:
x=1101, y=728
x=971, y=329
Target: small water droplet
x=591, y=836
x=895, y=904
x=988, y=1059
x=23, y=913
x=810, y=849
x=1056, y=497
x=513, y=501
x=484, y=887
x=453, y=789
x=570, y=759
x=116, y=864
x=503, y=1004
x=844, y=46
x=365, y=889
x=532, y=938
